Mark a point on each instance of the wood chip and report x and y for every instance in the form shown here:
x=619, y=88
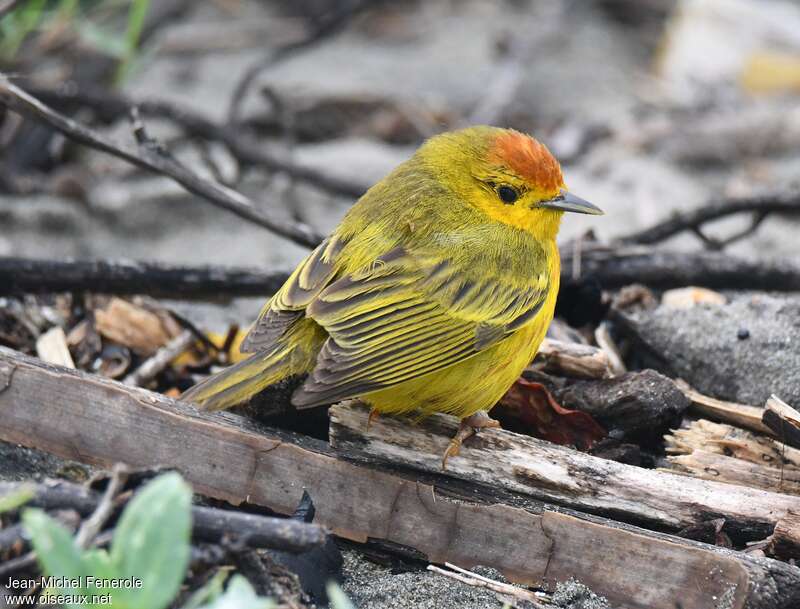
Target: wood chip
x=573, y=360
x=52, y=348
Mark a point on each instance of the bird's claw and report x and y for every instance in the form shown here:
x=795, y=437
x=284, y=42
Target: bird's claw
x=468, y=427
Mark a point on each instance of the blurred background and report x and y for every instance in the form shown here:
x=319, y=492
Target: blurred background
x=652, y=106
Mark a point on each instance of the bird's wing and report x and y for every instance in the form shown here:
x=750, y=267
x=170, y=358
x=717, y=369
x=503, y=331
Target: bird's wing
x=408, y=315
x=288, y=304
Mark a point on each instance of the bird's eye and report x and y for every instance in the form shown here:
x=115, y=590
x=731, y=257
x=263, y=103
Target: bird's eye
x=507, y=194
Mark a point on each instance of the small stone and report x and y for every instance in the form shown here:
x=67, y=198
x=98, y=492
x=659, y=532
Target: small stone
x=686, y=298
x=743, y=334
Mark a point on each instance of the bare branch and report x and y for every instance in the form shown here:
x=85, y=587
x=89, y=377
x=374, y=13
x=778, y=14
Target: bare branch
x=109, y=106
x=20, y=101
x=784, y=203
x=504, y=591
x=160, y=359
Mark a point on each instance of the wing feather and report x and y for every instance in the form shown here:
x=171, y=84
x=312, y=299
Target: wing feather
x=405, y=316
x=287, y=306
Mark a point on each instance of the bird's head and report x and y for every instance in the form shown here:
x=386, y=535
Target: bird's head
x=506, y=174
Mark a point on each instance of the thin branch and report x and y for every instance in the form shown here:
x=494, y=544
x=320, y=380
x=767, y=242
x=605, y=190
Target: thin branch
x=784, y=203
x=151, y=159
x=109, y=106
x=506, y=591
x=208, y=523
x=160, y=360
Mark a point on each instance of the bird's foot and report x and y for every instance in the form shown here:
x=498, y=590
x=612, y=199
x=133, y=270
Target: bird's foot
x=468, y=427
x=373, y=414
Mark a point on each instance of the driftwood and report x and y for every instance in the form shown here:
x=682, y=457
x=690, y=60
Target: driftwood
x=711, y=466
x=208, y=524
x=783, y=420
x=79, y=416
x=741, y=415
x=549, y=472
x=785, y=541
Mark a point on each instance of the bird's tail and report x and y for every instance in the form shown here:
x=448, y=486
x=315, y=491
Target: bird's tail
x=238, y=383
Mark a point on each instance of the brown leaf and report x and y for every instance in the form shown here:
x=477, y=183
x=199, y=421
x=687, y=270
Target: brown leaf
x=132, y=326
x=538, y=410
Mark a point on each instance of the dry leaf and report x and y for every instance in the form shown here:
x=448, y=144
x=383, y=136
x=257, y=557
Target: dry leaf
x=142, y=331
x=534, y=406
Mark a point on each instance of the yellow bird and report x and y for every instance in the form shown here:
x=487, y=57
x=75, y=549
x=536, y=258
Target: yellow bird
x=432, y=294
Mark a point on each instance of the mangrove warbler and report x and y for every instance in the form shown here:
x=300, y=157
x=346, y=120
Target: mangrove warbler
x=433, y=293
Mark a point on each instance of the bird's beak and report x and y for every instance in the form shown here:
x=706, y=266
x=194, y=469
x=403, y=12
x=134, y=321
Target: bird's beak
x=567, y=201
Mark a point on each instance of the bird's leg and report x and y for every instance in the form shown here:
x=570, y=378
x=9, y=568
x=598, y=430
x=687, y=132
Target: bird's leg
x=468, y=427
x=373, y=414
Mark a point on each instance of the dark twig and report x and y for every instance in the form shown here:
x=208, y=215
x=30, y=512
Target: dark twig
x=20, y=275
x=110, y=106
x=615, y=267
x=611, y=267
x=785, y=203
x=148, y=157
x=208, y=524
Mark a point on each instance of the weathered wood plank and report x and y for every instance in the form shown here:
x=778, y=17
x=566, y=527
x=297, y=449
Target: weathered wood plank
x=711, y=466
x=94, y=420
x=742, y=415
x=783, y=420
x=549, y=472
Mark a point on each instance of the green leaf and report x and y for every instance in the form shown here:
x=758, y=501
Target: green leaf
x=97, y=563
x=211, y=591
x=338, y=598
x=136, y=19
x=23, y=20
x=151, y=542
x=18, y=498
x=55, y=549
x=240, y=595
